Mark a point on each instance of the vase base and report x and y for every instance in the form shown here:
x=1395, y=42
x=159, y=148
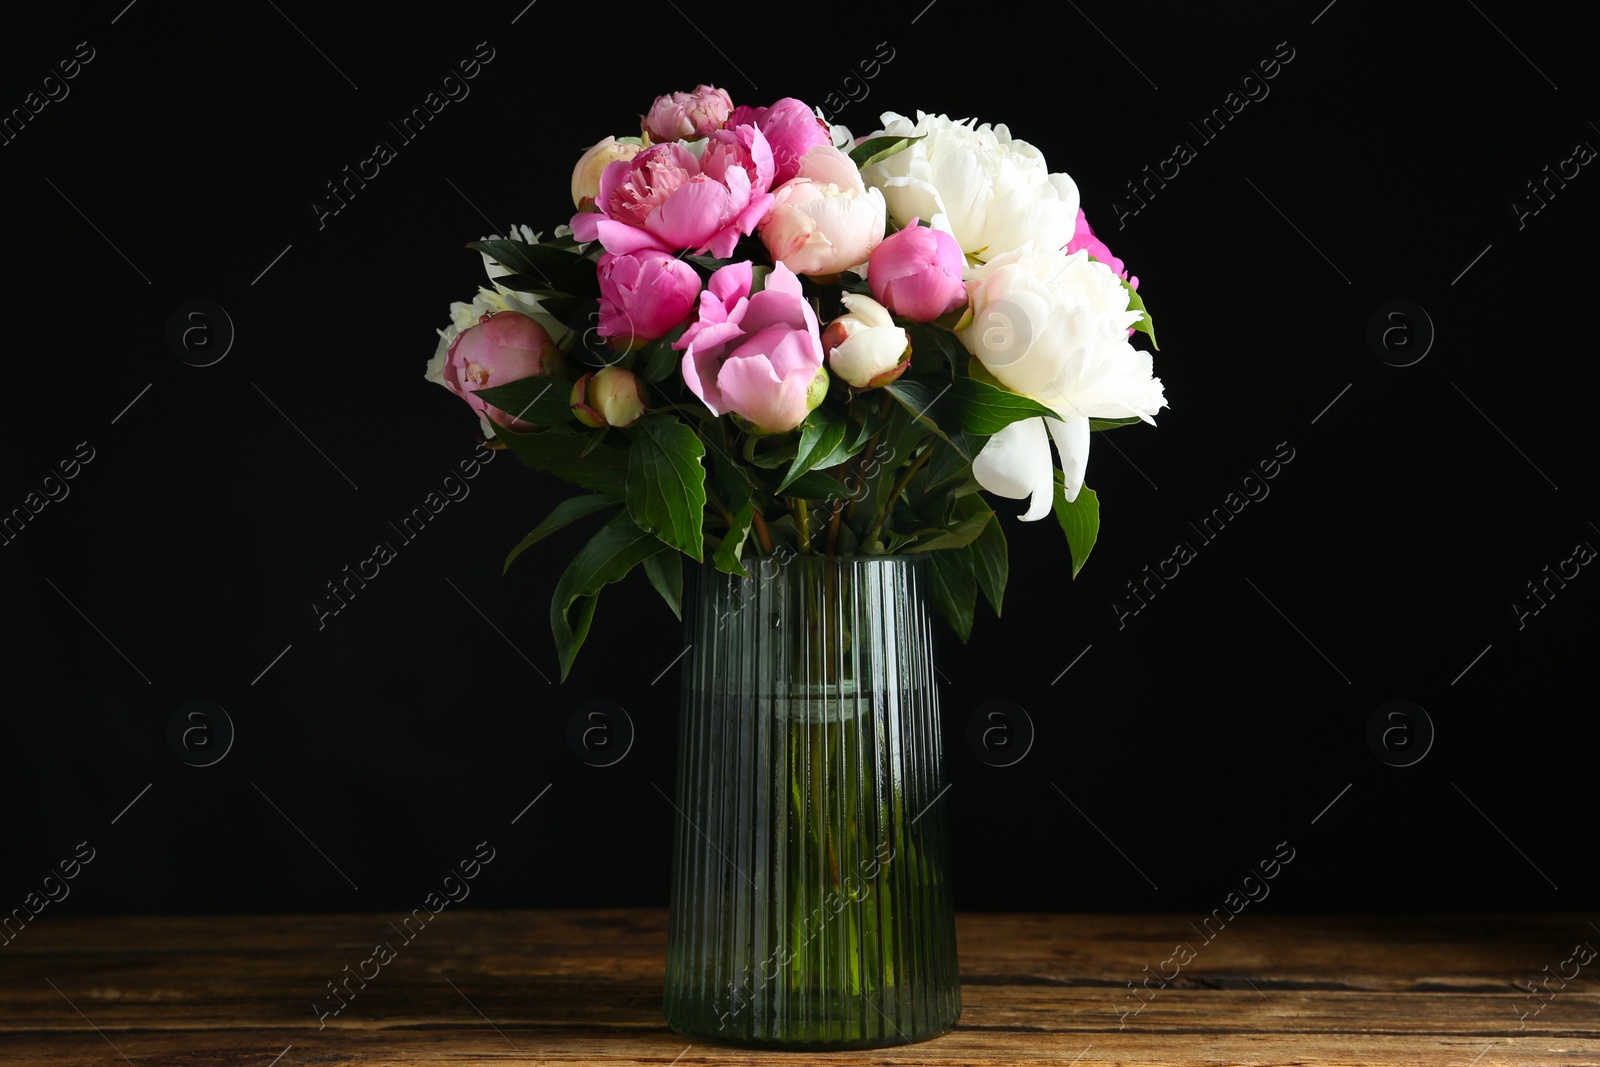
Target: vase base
x=893, y=1040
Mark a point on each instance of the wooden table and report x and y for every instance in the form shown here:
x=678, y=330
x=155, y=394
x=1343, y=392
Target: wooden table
x=585, y=987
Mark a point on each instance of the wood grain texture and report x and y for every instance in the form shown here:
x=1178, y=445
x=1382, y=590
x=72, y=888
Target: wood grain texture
x=585, y=988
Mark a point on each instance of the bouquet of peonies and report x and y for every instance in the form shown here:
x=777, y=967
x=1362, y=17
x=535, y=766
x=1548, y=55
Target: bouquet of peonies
x=760, y=336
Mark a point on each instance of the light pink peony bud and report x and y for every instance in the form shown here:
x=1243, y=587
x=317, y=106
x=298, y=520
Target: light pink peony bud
x=502, y=348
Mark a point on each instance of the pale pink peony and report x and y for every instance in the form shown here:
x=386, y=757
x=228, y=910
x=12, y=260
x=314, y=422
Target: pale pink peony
x=687, y=116
x=668, y=199
x=643, y=295
x=790, y=127
x=916, y=273
x=502, y=348
x=758, y=356
x=825, y=219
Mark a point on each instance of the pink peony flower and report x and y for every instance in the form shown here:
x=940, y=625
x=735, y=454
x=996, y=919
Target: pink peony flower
x=1083, y=238
x=643, y=295
x=759, y=357
x=790, y=127
x=687, y=116
x=502, y=348
x=667, y=199
x=916, y=273
x=825, y=219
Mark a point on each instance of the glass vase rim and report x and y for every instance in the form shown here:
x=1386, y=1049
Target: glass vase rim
x=820, y=557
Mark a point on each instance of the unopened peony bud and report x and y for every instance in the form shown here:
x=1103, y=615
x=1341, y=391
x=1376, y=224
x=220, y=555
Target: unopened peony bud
x=817, y=389
x=502, y=348
x=916, y=273
x=586, y=175
x=865, y=347
x=610, y=396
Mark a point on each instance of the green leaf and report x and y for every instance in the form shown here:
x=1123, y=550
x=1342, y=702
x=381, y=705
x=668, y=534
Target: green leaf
x=930, y=340
x=954, y=457
x=551, y=267
x=607, y=558
x=1145, y=325
x=561, y=451
x=1112, y=424
x=1080, y=521
x=771, y=450
x=666, y=488
x=732, y=547
x=986, y=409
x=567, y=512
x=665, y=571
x=814, y=485
x=990, y=559
x=820, y=434
x=657, y=360
x=877, y=149
x=929, y=406
x=956, y=536
x=557, y=304
x=542, y=401
x=955, y=589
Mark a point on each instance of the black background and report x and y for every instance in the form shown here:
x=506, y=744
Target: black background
x=1220, y=720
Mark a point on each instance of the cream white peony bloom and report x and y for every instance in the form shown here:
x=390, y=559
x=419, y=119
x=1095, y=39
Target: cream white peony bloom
x=1053, y=327
x=993, y=193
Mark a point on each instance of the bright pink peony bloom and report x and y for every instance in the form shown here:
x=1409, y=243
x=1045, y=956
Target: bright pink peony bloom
x=916, y=273
x=687, y=116
x=756, y=356
x=790, y=127
x=1083, y=238
x=502, y=348
x=665, y=198
x=643, y=295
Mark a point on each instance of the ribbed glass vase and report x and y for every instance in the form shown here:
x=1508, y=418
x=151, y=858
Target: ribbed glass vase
x=811, y=902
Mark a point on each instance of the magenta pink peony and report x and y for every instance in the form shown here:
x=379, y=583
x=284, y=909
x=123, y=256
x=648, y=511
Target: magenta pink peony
x=755, y=356
x=502, y=348
x=643, y=295
x=1083, y=239
x=916, y=273
x=687, y=116
x=668, y=199
x=790, y=127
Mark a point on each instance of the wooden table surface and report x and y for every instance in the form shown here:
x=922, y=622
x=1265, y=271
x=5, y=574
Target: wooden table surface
x=585, y=987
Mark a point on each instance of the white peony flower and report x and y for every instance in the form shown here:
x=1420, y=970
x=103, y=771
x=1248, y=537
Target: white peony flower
x=993, y=193
x=1053, y=327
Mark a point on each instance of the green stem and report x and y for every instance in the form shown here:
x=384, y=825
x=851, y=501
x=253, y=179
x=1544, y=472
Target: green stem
x=802, y=523
x=894, y=494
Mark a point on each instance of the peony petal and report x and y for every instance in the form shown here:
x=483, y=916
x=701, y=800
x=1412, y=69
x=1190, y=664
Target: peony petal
x=1071, y=436
x=731, y=282
x=1015, y=463
x=620, y=239
x=754, y=390
x=692, y=215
